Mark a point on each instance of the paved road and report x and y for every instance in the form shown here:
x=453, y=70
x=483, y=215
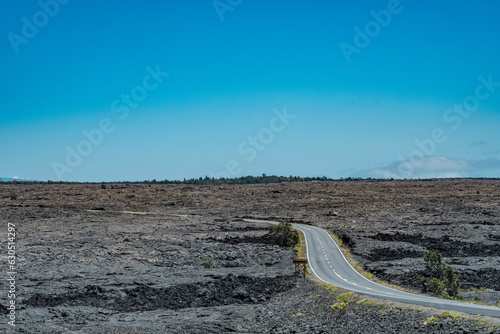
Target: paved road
x=328, y=264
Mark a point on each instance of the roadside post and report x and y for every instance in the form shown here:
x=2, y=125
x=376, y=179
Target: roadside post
x=300, y=266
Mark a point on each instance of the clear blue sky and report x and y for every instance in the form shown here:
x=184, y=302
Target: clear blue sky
x=348, y=103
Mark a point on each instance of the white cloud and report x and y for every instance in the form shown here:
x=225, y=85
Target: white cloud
x=435, y=167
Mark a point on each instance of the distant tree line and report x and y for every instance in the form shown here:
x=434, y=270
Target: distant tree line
x=244, y=180
x=212, y=181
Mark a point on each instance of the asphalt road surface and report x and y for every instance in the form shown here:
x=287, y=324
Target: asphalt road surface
x=328, y=264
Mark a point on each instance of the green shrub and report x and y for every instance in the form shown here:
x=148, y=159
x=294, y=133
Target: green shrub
x=339, y=307
x=443, y=281
x=207, y=262
x=284, y=235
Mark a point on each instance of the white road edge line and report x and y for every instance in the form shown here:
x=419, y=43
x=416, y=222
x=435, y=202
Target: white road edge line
x=400, y=294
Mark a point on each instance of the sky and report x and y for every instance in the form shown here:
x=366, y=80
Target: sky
x=141, y=90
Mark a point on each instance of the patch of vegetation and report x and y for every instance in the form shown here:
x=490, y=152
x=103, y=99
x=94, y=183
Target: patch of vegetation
x=347, y=297
x=431, y=321
x=339, y=307
x=487, y=324
x=301, y=246
x=207, y=262
x=13, y=196
x=302, y=254
x=443, y=282
x=333, y=289
x=284, y=235
x=310, y=297
x=481, y=289
x=393, y=309
x=298, y=314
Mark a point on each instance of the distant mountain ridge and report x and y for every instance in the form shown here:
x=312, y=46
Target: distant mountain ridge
x=15, y=178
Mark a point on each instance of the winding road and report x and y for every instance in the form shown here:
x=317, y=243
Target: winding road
x=328, y=264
